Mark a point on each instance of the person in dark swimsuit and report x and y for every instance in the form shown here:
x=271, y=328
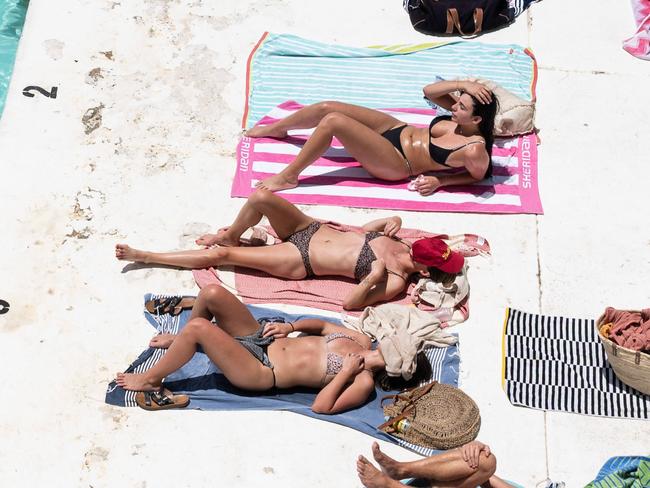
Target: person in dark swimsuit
x=438, y=154
x=391, y=150
x=259, y=355
x=381, y=263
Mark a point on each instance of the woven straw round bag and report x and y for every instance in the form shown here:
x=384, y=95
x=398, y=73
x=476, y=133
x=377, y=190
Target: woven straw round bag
x=631, y=367
x=435, y=415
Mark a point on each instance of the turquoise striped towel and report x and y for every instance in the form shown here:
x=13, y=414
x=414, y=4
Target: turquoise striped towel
x=285, y=67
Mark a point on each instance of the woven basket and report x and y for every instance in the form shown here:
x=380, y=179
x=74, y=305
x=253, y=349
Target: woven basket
x=631, y=367
x=440, y=416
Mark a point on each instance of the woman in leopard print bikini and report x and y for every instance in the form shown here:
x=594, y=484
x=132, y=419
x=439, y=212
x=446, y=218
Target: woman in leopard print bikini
x=376, y=258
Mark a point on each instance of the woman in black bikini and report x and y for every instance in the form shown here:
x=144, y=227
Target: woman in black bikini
x=258, y=356
x=391, y=150
x=376, y=258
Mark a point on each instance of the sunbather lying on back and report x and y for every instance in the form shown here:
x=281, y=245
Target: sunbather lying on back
x=380, y=262
x=391, y=150
x=337, y=360
x=468, y=466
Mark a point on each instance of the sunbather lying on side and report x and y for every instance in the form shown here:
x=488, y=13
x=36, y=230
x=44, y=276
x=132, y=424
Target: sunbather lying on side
x=468, y=466
x=391, y=150
x=334, y=359
x=380, y=262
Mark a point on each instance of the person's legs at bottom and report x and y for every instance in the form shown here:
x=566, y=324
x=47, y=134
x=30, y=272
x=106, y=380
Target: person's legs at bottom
x=235, y=362
x=447, y=469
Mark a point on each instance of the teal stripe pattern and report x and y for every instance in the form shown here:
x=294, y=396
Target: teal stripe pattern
x=287, y=67
x=12, y=18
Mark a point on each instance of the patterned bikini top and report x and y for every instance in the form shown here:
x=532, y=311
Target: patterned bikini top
x=367, y=256
x=335, y=360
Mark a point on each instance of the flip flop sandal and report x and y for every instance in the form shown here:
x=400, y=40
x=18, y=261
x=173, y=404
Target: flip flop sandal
x=162, y=399
x=169, y=305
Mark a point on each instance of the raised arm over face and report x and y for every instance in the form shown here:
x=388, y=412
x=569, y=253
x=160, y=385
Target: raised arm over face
x=440, y=92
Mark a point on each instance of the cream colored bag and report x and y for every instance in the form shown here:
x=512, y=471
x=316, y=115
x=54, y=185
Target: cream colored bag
x=515, y=116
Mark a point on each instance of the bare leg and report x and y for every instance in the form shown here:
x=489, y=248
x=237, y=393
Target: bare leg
x=309, y=116
x=216, y=302
x=281, y=260
x=209, y=240
x=376, y=154
x=371, y=477
x=236, y=363
x=496, y=482
x=284, y=216
x=162, y=341
x=447, y=467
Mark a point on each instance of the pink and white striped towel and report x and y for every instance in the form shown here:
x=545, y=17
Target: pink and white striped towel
x=337, y=179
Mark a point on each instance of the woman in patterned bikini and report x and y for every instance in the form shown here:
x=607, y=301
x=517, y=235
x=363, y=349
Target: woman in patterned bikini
x=258, y=356
x=380, y=262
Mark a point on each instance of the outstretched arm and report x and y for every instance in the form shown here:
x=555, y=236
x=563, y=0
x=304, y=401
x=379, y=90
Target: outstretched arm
x=348, y=389
x=389, y=225
x=313, y=327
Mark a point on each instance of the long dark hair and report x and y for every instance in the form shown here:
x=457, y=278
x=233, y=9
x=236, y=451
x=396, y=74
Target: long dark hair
x=440, y=276
x=487, y=112
x=423, y=372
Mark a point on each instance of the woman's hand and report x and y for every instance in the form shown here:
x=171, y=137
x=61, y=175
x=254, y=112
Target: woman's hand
x=352, y=364
x=472, y=451
x=426, y=185
x=479, y=91
x=277, y=330
x=393, y=226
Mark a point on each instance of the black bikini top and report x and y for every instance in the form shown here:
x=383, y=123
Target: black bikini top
x=441, y=154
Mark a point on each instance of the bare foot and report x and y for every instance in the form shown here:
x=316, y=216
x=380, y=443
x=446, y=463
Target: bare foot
x=221, y=238
x=266, y=131
x=371, y=477
x=388, y=465
x=124, y=252
x=277, y=182
x=135, y=382
x=162, y=341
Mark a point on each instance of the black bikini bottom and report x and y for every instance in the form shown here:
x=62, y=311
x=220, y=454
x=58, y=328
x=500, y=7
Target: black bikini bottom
x=393, y=136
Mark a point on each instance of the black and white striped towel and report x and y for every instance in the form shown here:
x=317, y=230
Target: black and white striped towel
x=558, y=363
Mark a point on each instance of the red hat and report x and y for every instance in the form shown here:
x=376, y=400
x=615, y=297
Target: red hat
x=435, y=252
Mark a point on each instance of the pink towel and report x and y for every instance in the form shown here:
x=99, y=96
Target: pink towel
x=629, y=329
x=639, y=44
x=327, y=293
x=337, y=179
